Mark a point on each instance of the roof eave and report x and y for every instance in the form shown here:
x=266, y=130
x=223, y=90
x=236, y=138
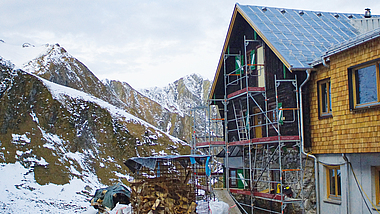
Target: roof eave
x=347, y=45
x=301, y=69
x=218, y=69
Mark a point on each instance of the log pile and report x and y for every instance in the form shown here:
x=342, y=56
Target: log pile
x=162, y=195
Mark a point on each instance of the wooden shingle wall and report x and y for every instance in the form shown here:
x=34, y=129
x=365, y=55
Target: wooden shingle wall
x=346, y=131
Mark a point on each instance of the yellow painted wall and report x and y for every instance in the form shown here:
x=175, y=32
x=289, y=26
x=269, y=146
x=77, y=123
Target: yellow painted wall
x=347, y=131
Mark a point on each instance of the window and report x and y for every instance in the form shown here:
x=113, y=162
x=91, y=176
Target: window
x=233, y=177
x=324, y=98
x=364, y=85
x=376, y=184
x=333, y=182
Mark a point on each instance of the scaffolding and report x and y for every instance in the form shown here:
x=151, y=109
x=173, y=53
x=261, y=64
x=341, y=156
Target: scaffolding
x=261, y=134
x=207, y=138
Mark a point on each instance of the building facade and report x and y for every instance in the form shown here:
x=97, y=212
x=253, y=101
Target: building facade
x=279, y=105
x=345, y=125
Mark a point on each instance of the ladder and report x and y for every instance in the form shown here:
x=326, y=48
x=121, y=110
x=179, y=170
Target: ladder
x=241, y=124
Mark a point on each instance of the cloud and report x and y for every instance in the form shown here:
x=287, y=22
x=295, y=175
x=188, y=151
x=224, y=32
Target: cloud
x=144, y=43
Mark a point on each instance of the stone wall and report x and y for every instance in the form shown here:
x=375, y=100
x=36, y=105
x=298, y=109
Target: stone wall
x=290, y=160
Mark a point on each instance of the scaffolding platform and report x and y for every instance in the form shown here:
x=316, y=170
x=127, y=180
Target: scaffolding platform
x=244, y=91
x=266, y=140
x=261, y=142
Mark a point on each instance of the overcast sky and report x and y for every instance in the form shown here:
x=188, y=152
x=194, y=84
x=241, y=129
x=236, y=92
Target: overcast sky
x=145, y=43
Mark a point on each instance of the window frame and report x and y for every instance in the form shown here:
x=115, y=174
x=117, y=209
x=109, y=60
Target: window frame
x=376, y=185
x=353, y=88
x=335, y=196
x=233, y=180
x=327, y=114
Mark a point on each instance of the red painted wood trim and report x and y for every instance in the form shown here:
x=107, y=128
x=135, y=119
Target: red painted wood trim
x=250, y=89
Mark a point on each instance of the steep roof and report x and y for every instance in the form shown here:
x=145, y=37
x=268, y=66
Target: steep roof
x=351, y=43
x=297, y=37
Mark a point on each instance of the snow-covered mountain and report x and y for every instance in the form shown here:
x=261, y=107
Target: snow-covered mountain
x=59, y=142
x=182, y=95
x=166, y=108
x=58, y=66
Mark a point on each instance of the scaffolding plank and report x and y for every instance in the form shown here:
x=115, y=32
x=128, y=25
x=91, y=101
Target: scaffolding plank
x=244, y=90
x=240, y=191
x=242, y=142
x=257, y=194
x=275, y=138
x=215, y=143
x=266, y=140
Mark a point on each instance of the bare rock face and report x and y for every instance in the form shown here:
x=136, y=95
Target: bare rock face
x=166, y=108
x=58, y=66
x=63, y=135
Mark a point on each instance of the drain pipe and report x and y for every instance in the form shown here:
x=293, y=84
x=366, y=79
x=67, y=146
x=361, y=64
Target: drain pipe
x=308, y=71
x=324, y=63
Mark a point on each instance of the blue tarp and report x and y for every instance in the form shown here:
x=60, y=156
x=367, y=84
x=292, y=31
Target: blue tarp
x=136, y=163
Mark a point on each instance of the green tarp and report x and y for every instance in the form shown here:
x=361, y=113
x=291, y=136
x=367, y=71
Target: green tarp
x=107, y=198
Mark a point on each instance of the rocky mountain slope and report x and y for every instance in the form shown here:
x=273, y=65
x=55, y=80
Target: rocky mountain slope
x=57, y=65
x=166, y=108
x=52, y=136
x=182, y=95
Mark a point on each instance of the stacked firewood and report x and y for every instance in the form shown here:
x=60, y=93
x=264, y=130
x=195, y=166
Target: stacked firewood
x=162, y=195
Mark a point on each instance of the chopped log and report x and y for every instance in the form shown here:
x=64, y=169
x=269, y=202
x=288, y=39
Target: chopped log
x=162, y=196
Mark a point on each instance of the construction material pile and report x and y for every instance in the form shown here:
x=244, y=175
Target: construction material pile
x=163, y=195
x=168, y=184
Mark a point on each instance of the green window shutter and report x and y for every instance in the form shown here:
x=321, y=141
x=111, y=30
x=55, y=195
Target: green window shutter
x=253, y=60
x=238, y=64
x=280, y=114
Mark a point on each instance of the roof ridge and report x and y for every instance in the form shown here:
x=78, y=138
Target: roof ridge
x=305, y=10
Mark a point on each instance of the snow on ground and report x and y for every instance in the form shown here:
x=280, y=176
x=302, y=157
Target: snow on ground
x=21, y=193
